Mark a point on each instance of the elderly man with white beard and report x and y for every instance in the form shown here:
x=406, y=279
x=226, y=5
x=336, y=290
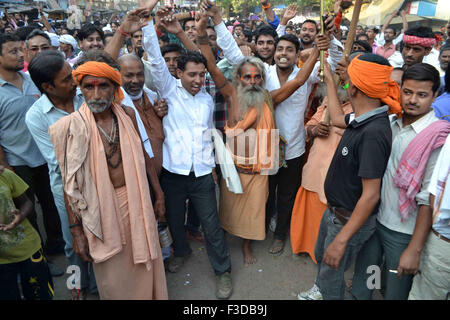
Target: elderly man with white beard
x=289, y=116
x=251, y=137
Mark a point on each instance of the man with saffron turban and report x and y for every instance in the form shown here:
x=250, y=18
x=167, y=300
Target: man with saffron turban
x=104, y=171
x=404, y=217
x=352, y=185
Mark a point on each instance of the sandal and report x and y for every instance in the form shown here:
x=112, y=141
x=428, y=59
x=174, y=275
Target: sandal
x=277, y=247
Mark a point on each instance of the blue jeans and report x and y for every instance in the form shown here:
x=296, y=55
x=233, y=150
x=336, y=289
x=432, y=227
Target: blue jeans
x=391, y=244
x=331, y=282
x=202, y=193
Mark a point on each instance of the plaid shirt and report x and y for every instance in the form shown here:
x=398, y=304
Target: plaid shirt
x=220, y=106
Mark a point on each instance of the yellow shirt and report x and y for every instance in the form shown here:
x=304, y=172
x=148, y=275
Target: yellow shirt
x=23, y=241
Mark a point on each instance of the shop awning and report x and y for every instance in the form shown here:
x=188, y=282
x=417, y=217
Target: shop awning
x=375, y=12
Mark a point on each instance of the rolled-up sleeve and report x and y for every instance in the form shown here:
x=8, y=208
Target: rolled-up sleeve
x=281, y=30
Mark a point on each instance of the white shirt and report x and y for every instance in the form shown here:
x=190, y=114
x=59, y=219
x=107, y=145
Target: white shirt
x=396, y=60
x=433, y=59
x=440, y=178
x=142, y=131
x=388, y=213
x=380, y=41
x=188, y=143
x=290, y=113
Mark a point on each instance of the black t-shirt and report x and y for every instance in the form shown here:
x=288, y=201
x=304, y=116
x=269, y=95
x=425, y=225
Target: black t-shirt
x=362, y=153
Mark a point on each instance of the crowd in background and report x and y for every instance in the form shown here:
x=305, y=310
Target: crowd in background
x=123, y=129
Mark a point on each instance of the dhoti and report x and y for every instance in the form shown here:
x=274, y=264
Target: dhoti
x=305, y=222
x=118, y=278
x=244, y=215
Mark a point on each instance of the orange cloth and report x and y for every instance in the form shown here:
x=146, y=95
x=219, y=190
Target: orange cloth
x=265, y=157
x=100, y=70
x=119, y=278
x=81, y=157
x=244, y=215
x=374, y=80
x=321, y=153
x=310, y=202
x=305, y=222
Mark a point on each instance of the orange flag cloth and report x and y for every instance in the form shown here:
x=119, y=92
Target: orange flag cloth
x=374, y=80
x=265, y=152
x=100, y=70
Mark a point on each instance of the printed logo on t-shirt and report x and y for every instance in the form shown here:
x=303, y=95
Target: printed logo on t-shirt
x=344, y=151
x=12, y=238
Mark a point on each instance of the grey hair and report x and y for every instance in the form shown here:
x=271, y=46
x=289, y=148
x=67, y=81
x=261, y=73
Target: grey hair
x=253, y=61
x=128, y=57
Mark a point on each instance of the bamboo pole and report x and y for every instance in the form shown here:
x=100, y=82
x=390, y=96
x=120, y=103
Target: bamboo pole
x=348, y=45
x=322, y=31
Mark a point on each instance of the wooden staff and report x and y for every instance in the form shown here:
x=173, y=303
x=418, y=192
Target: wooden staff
x=322, y=31
x=348, y=46
x=184, y=15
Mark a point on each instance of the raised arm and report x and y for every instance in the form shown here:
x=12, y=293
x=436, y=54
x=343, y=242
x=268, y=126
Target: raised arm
x=225, y=40
x=337, y=115
x=131, y=24
x=289, y=14
x=278, y=96
x=44, y=19
x=222, y=84
x=164, y=19
x=163, y=80
x=272, y=19
x=388, y=21
x=404, y=21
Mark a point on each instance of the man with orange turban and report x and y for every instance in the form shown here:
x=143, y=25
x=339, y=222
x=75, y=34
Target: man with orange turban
x=104, y=171
x=352, y=185
x=404, y=218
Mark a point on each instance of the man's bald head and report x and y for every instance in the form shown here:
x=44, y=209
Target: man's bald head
x=133, y=76
x=129, y=58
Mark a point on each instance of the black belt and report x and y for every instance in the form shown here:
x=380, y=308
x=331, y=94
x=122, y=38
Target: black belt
x=341, y=214
x=440, y=236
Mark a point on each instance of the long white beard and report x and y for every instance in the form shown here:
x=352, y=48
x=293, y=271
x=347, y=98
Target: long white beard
x=250, y=96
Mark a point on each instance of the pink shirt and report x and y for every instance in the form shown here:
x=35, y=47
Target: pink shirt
x=386, y=52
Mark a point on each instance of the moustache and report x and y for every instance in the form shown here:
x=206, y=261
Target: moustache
x=252, y=88
x=98, y=106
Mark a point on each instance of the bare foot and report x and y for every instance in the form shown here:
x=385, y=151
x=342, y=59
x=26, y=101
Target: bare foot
x=249, y=258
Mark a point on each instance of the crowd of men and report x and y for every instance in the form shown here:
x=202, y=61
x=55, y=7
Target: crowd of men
x=120, y=129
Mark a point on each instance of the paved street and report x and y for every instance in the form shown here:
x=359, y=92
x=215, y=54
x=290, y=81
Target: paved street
x=271, y=278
